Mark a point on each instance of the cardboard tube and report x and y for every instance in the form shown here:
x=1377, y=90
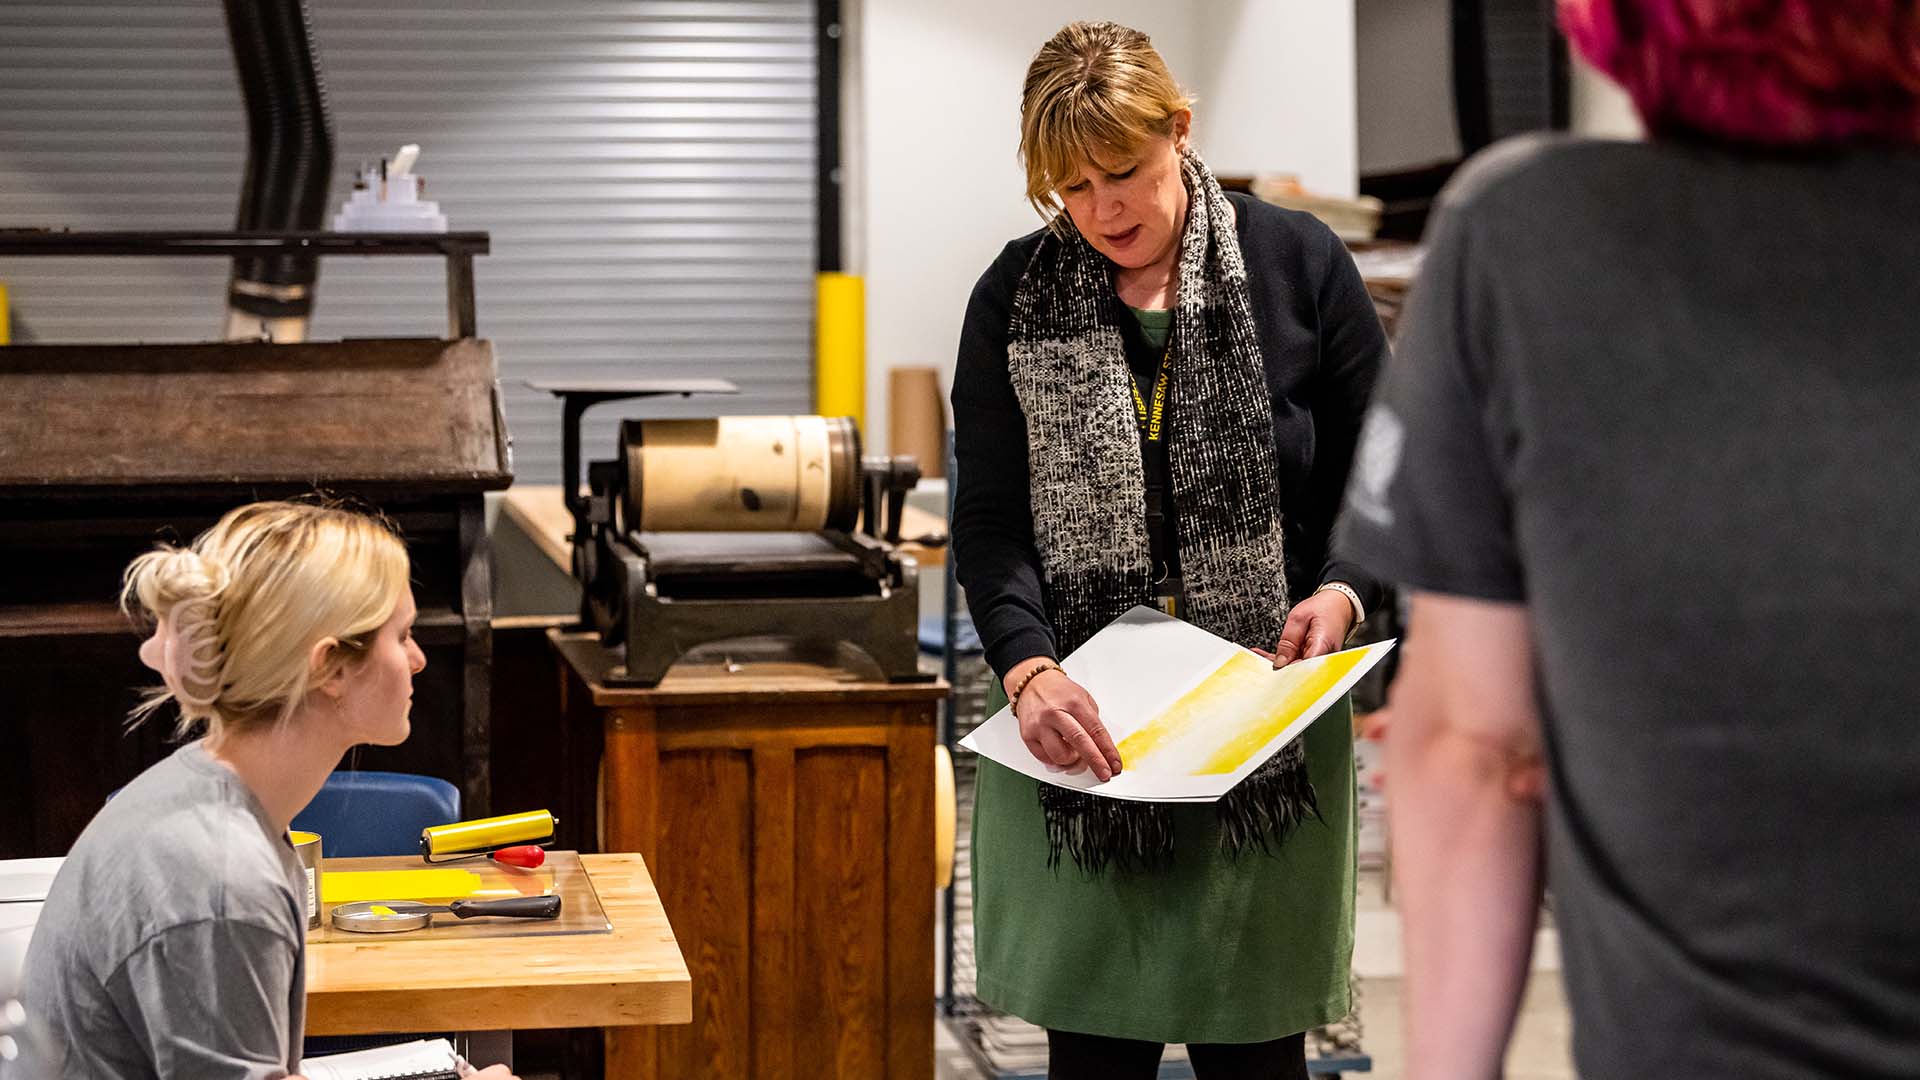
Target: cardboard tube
x=917, y=417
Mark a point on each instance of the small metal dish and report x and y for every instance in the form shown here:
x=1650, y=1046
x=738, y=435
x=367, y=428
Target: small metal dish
x=361, y=918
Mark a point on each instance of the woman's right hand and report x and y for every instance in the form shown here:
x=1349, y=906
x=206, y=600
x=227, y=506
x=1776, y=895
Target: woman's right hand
x=1060, y=723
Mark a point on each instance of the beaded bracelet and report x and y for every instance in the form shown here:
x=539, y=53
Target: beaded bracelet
x=1013, y=699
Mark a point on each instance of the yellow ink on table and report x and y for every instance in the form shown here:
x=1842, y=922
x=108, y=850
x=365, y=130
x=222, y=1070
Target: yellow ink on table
x=347, y=886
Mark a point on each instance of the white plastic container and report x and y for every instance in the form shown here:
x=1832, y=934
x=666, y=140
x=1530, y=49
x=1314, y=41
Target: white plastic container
x=388, y=199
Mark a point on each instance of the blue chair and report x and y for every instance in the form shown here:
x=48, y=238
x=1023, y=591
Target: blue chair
x=377, y=813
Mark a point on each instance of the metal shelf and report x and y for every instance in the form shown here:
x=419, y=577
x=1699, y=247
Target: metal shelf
x=458, y=248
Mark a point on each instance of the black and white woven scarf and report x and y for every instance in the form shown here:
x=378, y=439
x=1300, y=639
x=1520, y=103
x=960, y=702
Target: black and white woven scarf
x=1069, y=371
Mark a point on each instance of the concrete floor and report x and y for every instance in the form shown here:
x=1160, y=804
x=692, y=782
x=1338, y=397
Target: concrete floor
x=1539, y=1050
x=1539, y=1047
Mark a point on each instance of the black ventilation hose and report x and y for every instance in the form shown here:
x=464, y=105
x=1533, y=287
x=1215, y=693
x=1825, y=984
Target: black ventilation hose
x=289, y=151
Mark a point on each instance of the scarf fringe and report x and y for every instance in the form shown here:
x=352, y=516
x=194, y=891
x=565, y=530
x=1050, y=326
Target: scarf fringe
x=1099, y=833
x=1264, y=809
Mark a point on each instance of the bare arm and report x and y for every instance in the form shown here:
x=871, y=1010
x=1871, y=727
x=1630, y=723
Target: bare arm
x=1464, y=757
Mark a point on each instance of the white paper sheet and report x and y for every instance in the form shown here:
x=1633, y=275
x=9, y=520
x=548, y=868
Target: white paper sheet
x=1192, y=714
x=422, y=1057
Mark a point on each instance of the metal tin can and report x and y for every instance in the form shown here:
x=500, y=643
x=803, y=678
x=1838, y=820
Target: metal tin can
x=307, y=846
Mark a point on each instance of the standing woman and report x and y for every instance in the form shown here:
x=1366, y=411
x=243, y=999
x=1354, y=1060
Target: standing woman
x=173, y=941
x=1156, y=402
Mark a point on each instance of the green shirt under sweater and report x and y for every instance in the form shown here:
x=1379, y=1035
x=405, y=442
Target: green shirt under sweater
x=1155, y=323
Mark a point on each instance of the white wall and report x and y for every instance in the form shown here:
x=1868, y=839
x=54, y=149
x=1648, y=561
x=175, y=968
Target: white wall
x=1276, y=87
x=1405, y=76
x=941, y=86
x=1597, y=106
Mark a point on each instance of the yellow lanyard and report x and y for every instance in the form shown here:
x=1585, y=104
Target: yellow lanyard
x=1151, y=418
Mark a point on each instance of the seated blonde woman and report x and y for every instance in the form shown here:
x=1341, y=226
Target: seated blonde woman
x=173, y=942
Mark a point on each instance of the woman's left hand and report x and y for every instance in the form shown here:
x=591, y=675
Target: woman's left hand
x=1315, y=627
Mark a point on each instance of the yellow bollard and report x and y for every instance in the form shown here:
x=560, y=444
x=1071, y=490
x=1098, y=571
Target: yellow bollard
x=840, y=347
x=6, y=318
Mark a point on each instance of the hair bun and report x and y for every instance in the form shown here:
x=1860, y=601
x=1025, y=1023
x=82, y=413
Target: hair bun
x=196, y=659
x=183, y=587
x=184, y=574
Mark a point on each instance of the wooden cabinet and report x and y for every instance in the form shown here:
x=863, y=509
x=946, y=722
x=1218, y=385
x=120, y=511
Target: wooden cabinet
x=105, y=449
x=787, y=812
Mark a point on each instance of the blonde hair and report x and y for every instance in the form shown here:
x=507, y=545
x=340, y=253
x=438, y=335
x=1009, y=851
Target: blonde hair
x=249, y=599
x=1094, y=86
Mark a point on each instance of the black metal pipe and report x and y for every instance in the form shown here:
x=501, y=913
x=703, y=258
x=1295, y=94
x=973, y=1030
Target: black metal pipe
x=289, y=152
x=827, y=184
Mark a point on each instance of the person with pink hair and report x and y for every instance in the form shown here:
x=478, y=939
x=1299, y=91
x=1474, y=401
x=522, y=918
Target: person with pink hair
x=1770, y=73
x=1643, y=461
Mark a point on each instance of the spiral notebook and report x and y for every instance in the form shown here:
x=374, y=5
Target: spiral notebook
x=424, y=1059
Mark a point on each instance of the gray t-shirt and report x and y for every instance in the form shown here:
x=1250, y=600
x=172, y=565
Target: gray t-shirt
x=1668, y=397
x=173, y=941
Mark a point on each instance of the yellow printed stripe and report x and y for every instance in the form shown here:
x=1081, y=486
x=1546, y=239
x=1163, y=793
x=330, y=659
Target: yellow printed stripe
x=1184, y=715
x=1289, y=698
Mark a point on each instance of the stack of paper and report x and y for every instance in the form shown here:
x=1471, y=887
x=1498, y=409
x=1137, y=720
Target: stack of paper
x=422, y=1059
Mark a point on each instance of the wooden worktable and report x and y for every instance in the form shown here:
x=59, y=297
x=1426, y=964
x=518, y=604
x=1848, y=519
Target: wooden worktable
x=635, y=975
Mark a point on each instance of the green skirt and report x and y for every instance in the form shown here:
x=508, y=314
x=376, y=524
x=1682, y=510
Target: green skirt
x=1210, y=949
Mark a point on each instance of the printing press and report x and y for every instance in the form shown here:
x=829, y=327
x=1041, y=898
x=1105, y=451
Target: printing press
x=710, y=530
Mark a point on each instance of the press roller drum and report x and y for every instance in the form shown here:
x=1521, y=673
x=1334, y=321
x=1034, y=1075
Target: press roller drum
x=740, y=474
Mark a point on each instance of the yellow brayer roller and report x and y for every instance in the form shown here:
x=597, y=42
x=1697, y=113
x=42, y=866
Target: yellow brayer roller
x=514, y=839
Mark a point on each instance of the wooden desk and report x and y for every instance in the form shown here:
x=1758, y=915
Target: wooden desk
x=790, y=809
x=635, y=975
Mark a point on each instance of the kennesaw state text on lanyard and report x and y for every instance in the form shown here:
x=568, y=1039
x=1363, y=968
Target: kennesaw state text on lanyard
x=1151, y=417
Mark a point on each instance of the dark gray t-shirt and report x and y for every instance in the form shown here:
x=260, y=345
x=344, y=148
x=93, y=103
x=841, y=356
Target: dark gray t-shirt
x=1668, y=397
x=172, y=943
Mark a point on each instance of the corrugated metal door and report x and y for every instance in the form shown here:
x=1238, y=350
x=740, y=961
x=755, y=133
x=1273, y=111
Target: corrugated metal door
x=645, y=168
